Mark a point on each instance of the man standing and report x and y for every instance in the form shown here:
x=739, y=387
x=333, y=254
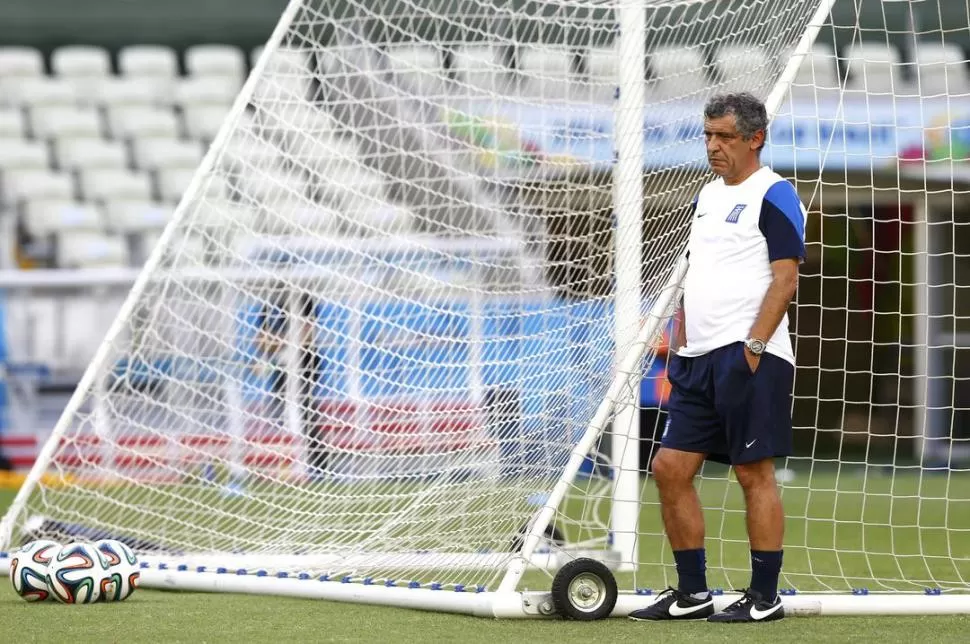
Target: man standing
x=285, y=307
x=732, y=377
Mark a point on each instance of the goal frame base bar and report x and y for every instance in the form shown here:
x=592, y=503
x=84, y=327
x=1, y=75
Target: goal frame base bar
x=533, y=604
x=525, y=604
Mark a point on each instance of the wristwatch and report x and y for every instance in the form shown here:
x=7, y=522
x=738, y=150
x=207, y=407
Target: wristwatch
x=755, y=346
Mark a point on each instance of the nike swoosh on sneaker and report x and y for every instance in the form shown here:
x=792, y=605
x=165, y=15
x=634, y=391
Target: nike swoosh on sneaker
x=762, y=614
x=680, y=611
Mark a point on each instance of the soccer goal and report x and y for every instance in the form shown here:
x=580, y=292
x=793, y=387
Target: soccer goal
x=404, y=341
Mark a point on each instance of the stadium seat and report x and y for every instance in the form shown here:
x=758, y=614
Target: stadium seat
x=211, y=90
x=126, y=216
x=19, y=62
x=873, y=68
x=81, y=154
x=17, y=154
x=286, y=76
x=601, y=73
x=143, y=122
x=299, y=216
x=115, y=92
x=294, y=124
x=223, y=216
x=350, y=187
x=246, y=150
x=173, y=182
x=161, y=154
x=818, y=75
x=90, y=250
x=321, y=155
x=940, y=69
x=30, y=92
x=677, y=72
x=44, y=217
x=481, y=68
x=742, y=67
x=56, y=123
x=419, y=68
x=79, y=62
x=549, y=70
x=13, y=125
x=376, y=219
x=105, y=185
x=263, y=185
x=215, y=60
x=156, y=62
x=27, y=185
x=202, y=122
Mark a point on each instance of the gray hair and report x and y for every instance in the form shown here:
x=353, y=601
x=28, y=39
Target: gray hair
x=749, y=113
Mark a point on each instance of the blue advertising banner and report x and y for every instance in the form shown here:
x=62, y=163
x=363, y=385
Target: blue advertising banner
x=854, y=134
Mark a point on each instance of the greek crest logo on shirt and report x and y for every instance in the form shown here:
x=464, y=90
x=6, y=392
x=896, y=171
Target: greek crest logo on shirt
x=732, y=218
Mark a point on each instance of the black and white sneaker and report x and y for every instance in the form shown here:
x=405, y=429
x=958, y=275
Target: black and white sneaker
x=750, y=608
x=673, y=604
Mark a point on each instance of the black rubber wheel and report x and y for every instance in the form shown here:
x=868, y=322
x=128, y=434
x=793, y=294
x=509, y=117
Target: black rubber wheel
x=584, y=589
x=552, y=534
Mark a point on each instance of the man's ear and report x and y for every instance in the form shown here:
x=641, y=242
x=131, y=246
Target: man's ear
x=758, y=140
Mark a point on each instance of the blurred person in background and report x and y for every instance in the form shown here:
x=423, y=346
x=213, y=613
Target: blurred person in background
x=284, y=307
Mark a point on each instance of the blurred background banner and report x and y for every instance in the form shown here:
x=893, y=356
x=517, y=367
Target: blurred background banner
x=863, y=133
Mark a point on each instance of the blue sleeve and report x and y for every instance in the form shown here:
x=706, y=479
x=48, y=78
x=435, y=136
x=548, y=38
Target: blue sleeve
x=782, y=223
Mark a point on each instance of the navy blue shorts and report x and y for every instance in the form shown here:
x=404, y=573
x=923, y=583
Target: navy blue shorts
x=719, y=408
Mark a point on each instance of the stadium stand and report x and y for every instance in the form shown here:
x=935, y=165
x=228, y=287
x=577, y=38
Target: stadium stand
x=677, y=71
x=874, y=68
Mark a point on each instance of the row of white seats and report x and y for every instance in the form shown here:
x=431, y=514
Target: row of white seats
x=680, y=71
x=101, y=184
x=141, y=200
x=92, y=249
x=123, y=232
x=302, y=136
x=216, y=71
x=51, y=216
x=290, y=123
x=149, y=75
x=113, y=92
x=140, y=61
x=28, y=168
x=92, y=153
x=55, y=121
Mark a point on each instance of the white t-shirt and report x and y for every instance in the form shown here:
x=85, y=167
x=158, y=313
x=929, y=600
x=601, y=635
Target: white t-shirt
x=736, y=233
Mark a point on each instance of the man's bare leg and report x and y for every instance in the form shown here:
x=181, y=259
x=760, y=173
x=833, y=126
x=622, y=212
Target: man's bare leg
x=766, y=524
x=683, y=519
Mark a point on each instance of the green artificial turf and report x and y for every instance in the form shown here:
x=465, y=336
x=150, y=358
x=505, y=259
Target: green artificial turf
x=158, y=616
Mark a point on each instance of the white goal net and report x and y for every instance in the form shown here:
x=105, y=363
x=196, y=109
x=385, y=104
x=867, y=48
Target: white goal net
x=398, y=293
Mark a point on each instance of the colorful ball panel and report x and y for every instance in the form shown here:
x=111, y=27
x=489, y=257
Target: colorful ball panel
x=124, y=571
x=77, y=573
x=28, y=569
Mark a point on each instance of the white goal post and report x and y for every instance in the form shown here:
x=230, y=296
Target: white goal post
x=404, y=338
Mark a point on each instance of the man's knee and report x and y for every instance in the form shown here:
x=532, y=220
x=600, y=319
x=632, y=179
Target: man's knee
x=674, y=467
x=756, y=476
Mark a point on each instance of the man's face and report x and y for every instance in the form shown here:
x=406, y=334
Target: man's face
x=728, y=154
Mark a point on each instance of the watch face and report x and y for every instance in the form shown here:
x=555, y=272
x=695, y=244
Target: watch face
x=756, y=346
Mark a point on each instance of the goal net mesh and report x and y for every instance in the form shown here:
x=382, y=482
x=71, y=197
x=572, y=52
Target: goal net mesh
x=384, y=314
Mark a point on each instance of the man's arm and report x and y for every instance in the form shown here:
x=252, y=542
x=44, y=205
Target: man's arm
x=781, y=291
x=782, y=223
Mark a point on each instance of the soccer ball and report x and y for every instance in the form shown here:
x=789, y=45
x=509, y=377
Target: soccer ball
x=28, y=569
x=77, y=573
x=123, y=565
